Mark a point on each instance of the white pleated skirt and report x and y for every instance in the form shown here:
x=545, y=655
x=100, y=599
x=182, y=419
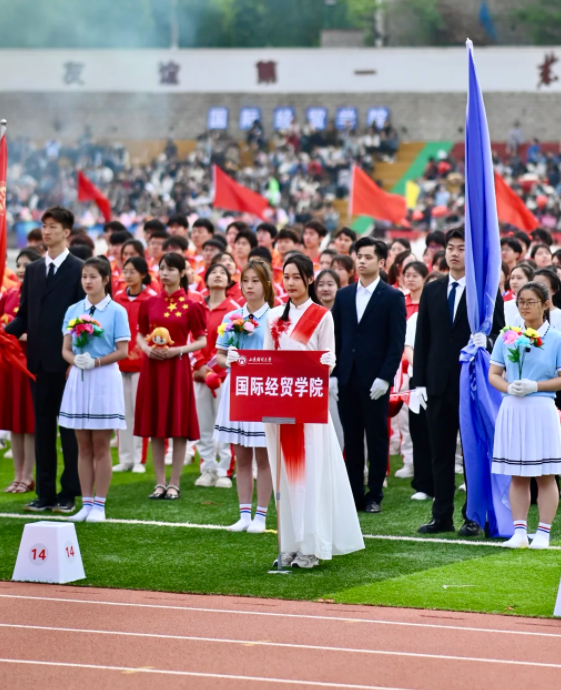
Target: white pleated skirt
x=96, y=402
x=527, y=437
x=248, y=434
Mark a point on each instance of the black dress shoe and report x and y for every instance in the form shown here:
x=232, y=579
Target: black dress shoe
x=373, y=507
x=64, y=505
x=436, y=527
x=39, y=505
x=470, y=529
x=359, y=504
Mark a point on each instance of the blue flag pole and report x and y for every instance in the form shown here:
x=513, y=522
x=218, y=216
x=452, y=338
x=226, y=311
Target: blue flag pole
x=479, y=402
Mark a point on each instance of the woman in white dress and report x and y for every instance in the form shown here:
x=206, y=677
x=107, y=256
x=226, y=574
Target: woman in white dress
x=318, y=515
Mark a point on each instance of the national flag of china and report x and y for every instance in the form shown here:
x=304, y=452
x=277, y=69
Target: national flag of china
x=87, y=191
x=231, y=196
x=511, y=209
x=367, y=199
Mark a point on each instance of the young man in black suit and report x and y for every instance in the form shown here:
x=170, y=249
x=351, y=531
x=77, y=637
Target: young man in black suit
x=49, y=287
x=369, y=321
x=442, y=331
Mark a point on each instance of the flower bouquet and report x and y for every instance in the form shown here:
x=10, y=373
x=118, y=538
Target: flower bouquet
x=237, y=326
x=522, y=342
x=83, y=328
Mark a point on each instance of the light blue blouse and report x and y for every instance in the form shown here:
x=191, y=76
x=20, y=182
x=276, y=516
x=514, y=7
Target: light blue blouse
x=113, y=319
x=253, y=341
x=540, y=364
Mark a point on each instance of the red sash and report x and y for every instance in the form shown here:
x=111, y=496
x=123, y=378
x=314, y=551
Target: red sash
x=292, y=435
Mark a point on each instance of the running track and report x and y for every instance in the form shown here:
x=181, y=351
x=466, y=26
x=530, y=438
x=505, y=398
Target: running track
x=55, y=637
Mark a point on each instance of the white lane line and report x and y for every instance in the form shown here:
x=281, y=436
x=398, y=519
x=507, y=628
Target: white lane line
x=288, y=645
x=224, y=528
x=343, y=619
x=132, y=669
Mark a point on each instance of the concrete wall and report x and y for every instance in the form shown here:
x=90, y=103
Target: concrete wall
x=426, y=116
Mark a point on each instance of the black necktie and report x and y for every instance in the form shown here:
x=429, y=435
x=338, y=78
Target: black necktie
x=92, y=311
x=50, y=273
x=250, y=316
x=452, y=301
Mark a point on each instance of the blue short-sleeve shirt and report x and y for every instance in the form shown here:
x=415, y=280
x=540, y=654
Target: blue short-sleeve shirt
x=113, y=319
x=540, y=364
x=246, y=341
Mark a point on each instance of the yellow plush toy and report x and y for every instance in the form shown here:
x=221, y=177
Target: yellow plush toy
x=160, y=338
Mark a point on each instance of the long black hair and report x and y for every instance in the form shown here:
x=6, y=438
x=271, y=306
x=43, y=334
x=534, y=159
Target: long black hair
x=141, y=266
x=306, y=270
x=103, y=267
x=555, y=283
x=174, y=260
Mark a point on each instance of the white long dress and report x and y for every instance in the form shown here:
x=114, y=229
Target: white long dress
x=318, y=515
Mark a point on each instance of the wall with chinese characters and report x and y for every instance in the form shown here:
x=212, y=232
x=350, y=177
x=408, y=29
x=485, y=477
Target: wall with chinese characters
x=157, y=94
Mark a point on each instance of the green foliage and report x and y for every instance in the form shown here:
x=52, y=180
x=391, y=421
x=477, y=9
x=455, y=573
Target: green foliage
x=428, y=20
x=543, y=19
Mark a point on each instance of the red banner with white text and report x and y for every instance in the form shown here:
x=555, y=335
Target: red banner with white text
x=289, y=384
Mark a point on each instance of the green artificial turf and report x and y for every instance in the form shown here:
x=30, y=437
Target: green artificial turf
x=395, y=573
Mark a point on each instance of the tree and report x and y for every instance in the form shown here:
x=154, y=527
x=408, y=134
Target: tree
x=543, y=19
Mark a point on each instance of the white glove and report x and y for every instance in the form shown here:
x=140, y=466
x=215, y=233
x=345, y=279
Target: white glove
x=233, y=355
x=328, y=358
x=379, y=388
x=479, y=340
x=334, y=388
x=84, y=361
x=523, y=387
x=422, y=396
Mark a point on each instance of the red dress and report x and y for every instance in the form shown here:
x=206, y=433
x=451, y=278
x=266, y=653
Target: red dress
x=16, y=403
x=165, y=400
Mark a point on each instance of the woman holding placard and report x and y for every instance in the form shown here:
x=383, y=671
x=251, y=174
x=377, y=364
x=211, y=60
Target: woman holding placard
x=248, y=438
x=319, y=519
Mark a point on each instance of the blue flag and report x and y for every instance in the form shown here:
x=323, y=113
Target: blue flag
x=479, y=402
x=486, y=21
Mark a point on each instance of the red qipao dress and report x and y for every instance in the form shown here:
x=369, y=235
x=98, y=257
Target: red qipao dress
x=165, y=403
x=16, y=403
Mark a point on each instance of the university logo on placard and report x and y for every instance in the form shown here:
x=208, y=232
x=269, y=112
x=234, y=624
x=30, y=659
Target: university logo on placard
x=242, y=361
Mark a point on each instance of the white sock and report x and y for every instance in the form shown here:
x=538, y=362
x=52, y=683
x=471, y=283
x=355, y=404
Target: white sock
x=245, y=519
x=520, y=538
x=521, y=526
x=260, y=514
x=99, y=503
x=542, y=534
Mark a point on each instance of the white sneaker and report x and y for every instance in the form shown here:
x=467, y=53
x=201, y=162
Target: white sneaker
x=122, y=467
x=139, y=469
x=223, y=483
x=459, y=469
x=96, y=515
x=242, y=525
x=462, y=487
x=8, y=455
x=114, y=442
x=385, y=484
x=207, y=479
x=405, y=472
x=257, y=527
x=302, y=561
x=81, y=515
x=420, y=496
x=286, y=559
x=518, y=541
x=540, y=541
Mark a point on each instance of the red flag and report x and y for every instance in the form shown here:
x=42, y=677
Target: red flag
x=231, y=196
x=510, y=207
x=367, y=199
x=87, y=191
x=3, y=228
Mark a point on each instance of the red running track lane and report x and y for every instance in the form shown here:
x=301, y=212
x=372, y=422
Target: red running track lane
x=55, y=637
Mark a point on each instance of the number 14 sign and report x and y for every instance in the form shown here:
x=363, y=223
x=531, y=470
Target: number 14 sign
x=267, y=383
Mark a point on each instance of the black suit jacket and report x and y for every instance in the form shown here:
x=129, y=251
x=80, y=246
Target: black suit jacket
x=438, y=343
x=41, y=312
x=376, y=343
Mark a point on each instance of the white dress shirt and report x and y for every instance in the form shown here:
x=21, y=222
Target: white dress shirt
x=459, y=291
x=57, y=262
x=363, y=295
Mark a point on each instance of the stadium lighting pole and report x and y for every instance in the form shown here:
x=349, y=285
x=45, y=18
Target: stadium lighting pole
x=174, y=26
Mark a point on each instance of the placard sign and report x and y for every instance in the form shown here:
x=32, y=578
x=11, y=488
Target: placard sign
x=317, y=117
x=346, y=118
x=378, y=116
x=267, y=383
x=217, y=118
x=282, y=117
x=248, y=117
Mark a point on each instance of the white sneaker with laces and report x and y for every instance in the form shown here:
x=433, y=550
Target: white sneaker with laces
x=207, y=479
x=122, y=467
x=405, y=472
x=302, y=561
x=96, y=515
x=257, y=527
x=139, y=468
x=420, y=496
x=518, y=541
x=242, y=525
x=287, y=559
x=223, y=483
x=81, y=515
x=540, y=541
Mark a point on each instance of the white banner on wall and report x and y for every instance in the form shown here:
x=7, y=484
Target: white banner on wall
x=265, y=70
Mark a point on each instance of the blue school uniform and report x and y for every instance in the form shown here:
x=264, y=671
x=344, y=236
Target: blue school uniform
x=528, y=431
x=94, y=399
